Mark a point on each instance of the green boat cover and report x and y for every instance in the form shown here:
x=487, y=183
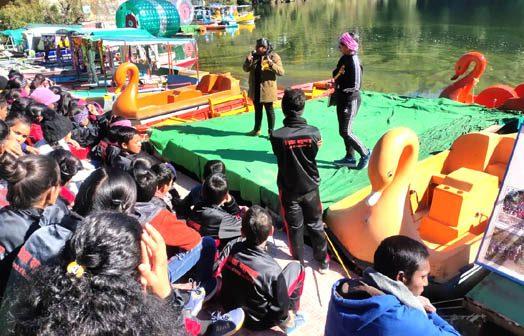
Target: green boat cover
x=501, y=295
x=251, y=165
x=15, y=35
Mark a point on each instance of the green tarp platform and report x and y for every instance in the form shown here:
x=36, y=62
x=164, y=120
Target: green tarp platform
x=252, y=168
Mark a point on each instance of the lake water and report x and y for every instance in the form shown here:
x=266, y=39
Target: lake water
x=407, y=46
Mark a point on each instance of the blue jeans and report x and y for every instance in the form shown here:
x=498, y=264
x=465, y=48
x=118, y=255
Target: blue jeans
x=200, y=259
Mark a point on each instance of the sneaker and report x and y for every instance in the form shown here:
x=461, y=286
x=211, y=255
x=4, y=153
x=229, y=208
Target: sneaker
x=363, y=162
x=211, y=287
x=196, y=299
x=227, y=324
x=254, y=133
x=298, y=321
x=347, y=161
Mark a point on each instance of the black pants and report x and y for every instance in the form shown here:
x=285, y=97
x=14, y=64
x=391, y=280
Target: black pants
x=270, y=113
x=305, y=210
x=347, y=109
x=294, y=275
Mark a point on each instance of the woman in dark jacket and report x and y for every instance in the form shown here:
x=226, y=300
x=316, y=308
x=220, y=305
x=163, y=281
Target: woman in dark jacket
x=348, y=79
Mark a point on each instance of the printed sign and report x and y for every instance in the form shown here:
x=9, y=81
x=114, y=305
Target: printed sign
x=502, y=249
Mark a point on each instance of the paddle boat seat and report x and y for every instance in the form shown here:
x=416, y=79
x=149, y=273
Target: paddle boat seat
x=462, y=196
x=501, y=156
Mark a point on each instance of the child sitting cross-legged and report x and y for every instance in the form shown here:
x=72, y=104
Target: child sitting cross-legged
x=253, y=280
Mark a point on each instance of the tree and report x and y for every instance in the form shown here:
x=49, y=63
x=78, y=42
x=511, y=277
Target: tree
x=19, y=13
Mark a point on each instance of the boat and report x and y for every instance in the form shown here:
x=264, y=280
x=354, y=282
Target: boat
x=498, y=96
x=183, y=101
x=244, y=14
x=444, y=201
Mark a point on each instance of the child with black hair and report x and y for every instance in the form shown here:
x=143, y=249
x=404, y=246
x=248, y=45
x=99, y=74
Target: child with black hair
x=36, y=112
x=296, y=146
x=387, y=300
x=20, y=128
x=69, y=166
x=57, y=133
x=186, y=249
x=39, y=81
x=252, y=279
x=183, y=208
x=101, y=275
x=166, y=175
x=128, y=144
x=217, y=215
x=103, y=190
x=84, y=132
x=17, y=82
x=33, y=185
x=20, y=105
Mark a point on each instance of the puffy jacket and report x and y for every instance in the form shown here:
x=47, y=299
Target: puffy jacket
x=253, y=280
x=219, y=222
x=16, y=226
x=366, y=310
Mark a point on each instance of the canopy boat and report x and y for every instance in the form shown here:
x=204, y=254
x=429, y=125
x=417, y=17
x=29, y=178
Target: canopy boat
x=443, y=201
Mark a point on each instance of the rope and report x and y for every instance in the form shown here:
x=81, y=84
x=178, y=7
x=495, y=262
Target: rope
x=337, y=255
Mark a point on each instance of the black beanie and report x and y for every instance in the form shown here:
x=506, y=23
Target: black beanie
x=55, y=127
x=3, y=83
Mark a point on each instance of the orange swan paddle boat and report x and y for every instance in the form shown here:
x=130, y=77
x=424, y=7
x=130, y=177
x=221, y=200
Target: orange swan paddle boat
x=443, y=201
x=159, y=105
x=497, y=96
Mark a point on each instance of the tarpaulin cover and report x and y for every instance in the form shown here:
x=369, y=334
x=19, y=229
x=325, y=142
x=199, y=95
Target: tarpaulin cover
x=251, y=165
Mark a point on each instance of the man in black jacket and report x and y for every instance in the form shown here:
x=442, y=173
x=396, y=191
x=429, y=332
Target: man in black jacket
x=217, y=214
x=295, y=146
x=253, y=280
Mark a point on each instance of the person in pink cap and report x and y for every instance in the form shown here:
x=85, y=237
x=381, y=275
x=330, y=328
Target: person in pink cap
x=348, y=79
x=45, y=96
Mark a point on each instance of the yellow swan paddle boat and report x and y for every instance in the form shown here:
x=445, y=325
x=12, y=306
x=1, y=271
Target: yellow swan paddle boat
x=159, y=105
x=443, y=201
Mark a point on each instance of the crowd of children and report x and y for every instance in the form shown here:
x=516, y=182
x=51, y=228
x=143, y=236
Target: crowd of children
x=94, y=239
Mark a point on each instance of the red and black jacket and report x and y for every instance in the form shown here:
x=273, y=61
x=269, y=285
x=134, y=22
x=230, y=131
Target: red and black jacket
x=296, y=146
x=253, y=280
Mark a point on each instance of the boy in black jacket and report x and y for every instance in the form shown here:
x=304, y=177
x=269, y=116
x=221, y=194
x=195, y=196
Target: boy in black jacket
x=217, y=214
x=295, y=146
x=253, y=280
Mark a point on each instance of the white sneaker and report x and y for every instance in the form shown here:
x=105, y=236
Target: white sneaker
x=196, y=299
x=227, y=324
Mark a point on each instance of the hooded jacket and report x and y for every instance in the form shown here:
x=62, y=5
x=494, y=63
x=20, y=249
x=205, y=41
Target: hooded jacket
x=366, y=310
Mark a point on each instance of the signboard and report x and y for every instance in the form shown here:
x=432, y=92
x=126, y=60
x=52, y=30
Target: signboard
x=502, y=248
